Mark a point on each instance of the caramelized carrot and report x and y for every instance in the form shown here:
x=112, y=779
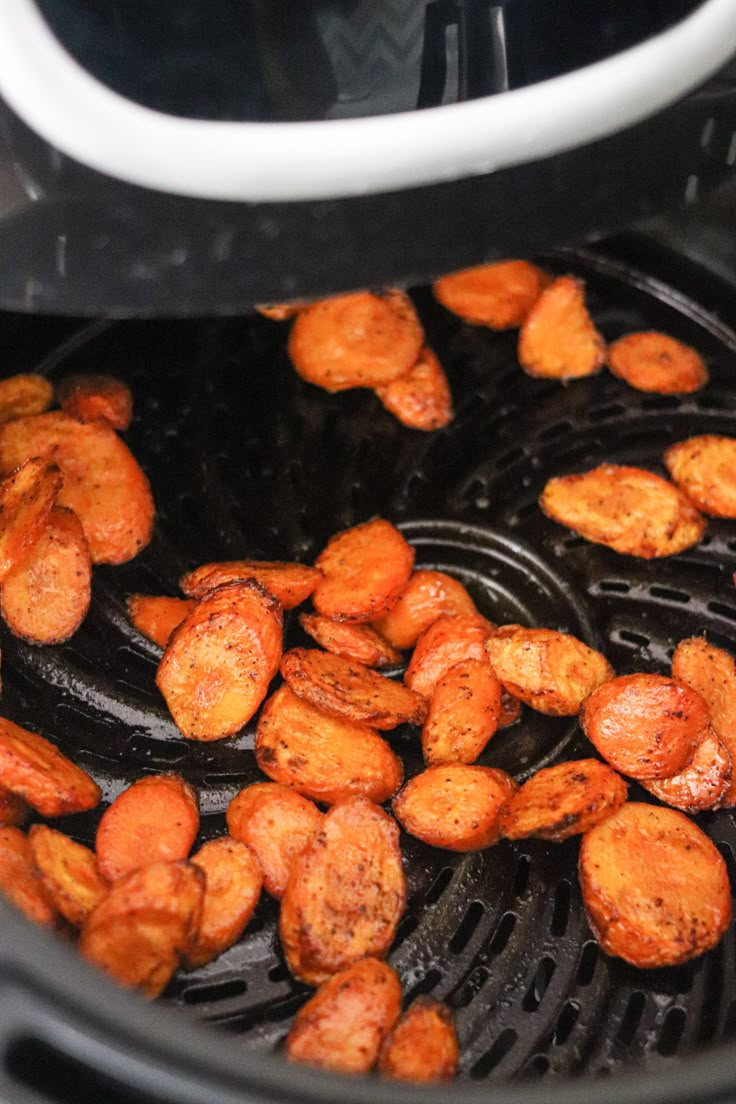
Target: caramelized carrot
x=447, y=641
x=69, y=873
x=14, y=811
x=277, y=823
x=702, y=785
x=704, y=468
x=156, y=616
x=463, y=714
x=157, y=818
x=365, y=570
x=423, y=1045
x=656, y=362
x=290, y=583
x=428, y=595
x=233, y=886
x=711, y=672
x=455, y=806
x=35, y=770
x=420, y=399
x=91, y=397
x=564, y=800
x=24, y=394
x=350, y=641
x=27, y=498
x=20, y=882
x=558, y=339
x=498, y=295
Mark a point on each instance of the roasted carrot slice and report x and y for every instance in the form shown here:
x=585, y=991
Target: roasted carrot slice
x=341, y=1028
x=14, y=811
x=142, y=927
x=360, y=643
x=290, y=583
x=277, y=823
x=350, y=690
x=356, y=340
x=558, y=339
x=156, y=616
x=552, y=672
x=630, y=510
x=654, y=886
x=346, y=892
x=564, y=800
x=711, y=672
x=702, y=785
x=423, y=1045
x=510, y=709
x=20, y=882
x=37, y=771
x=24, y=394
x=326, y=758
x=427, y=596
x=646, y=726
x=157, y=818
x=91, y=397
x=498, y=295
x=218, y=663
x=455, y=806
x=656, y=362
x=103, y=483
x=27, y=498
x=233, y=886
x=69, y=873
x=281, y=312
x=46, y=597
x=704, y=468
x=447, y=641
x=420, y=399
x=463, y=714
x=365, y=569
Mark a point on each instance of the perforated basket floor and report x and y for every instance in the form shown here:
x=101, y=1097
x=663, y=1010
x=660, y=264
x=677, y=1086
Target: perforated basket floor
x=246, y=460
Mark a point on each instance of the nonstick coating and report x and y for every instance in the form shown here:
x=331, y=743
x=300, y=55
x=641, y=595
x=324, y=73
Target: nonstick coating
x=247, y=460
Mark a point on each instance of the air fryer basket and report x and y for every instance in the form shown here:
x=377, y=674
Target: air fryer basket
x=246, y=459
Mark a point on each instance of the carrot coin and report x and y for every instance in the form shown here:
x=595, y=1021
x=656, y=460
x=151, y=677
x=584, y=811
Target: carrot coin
x=420, y=399
x=447, y=641
x=704, y=468
x=326, y=758
x=233, y=886
x=91, y=397
x=290, y=583
x=157, y=818
x=277, y=823
x=558, y=339
x=654, y=886
x=498, y=295
x=27, y=498
x=428, y=595
x=35, y=770
x=350, y=641
x=365, y=570
x=219, y=662
x=702, y=785
x=564, y=800
x=423, y=1045
x=646, y=726
x=455, y=806
x=356, y=340
x=156, y=616
x=463, y=714
x=711, y=672
x=656, y=362
x=20, y=882
x=24, y=394
x=69, y=873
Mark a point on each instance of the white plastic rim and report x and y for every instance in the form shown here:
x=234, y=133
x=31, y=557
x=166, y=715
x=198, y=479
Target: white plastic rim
x=262, y=162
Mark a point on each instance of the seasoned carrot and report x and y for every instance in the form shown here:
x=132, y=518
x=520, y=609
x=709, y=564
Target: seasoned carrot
x=646, y=726
x=342, y=1026
x=27, y=498
x=702, y=785
x=350, y=690
x=350, y=641
x=356, y=340
x=704, y=468
x=233, y=886
x=277, y=823
x=455, y=806
x=654, y=886
x=427, y=596
x=156, y=616
x=219, y=661
x=24, y=394
x=365, y=570
x=447, y=641
x=463, y=714
x=326, y=758
x=290, y=583
x=69, y=873
x=420, y=399
x=91, y=397
x=20, y=882
x=498, y=295
x=558, y=339
x=564, y=800
x=281, y=312
x=656, y=362
x=103, y=483
x=46, y=597
x=423, y=1045
x=35, y=770
x=157, y=818
x=14, y=811
x=711, y=672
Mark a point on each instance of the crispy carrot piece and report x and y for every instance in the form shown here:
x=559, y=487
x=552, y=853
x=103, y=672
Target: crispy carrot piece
x=342, y=1026
x=702, y=785
x=704, y=468
x=46, y=597
x=24, y=394
x=69, y=873
x=156, y=616
x=27, y=498
x=498, y=295
x=427, y=596
x=360, y=643
x=558, y=339
x=218, y=663
x=326, y=758
x=564, y=800
x=37, y=771
x=20, y=882
x=91, y=397
x=281, y=312
x=711, y=672
x=656, y=362
x=14, y=811
x=423, y=1045
x=157, y=818
x=463, y=714
x=356, y=340
x=290, y=583
x=350, y=690
x=455, y=806
x=233, y=886
x=103, y=483
x=654, y=886
x=277, y=823
x=447, y=641
x=365, y=570
x=421, y=399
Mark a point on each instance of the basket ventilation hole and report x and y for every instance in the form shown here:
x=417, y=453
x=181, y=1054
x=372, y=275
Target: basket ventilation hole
x=278, y=973
x=610, y=410
x=672, y=1031
x=466, y=928
x=588, y=963
x=503, y=933
x=565, y=1024
x=634, y=638
x=535, y=993
x=611, y=586
x=536, y=1068
x=439, y=885
x=722, y=611
x=660, y=402
x=509, y=458
x=472, y=987
x=729, y=1025
x=424, y=986
x=631, y=1019
x=285, y=1009
x=521, y=875
x=495, y=1055
x=218, y=991
x=669, y=594
x=55, y=1076
x=556, y=430
x=574, y=541
x=561, y=910
x=404, y=930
